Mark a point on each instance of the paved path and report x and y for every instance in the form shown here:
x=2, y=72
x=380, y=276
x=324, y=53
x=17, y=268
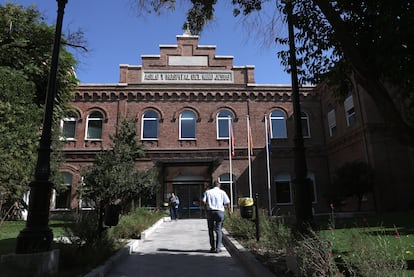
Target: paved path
x=178, y=249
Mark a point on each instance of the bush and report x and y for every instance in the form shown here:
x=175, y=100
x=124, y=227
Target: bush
x=131, y=225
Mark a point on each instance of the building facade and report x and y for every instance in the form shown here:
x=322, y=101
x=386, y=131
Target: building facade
x=194, y=111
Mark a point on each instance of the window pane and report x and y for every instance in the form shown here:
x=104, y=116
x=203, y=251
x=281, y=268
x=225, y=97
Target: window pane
x=283, y=192
x=223, y=124
x=223, y=128
x=69, y=128
x=187, y=128
x=62, y=198
x=305, y=125
x=187, y=125
x=278, y=124
x=94, y=129
x=150, y=125
x=150, y=129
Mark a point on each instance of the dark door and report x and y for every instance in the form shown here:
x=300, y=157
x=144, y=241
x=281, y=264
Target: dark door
x=190, y=200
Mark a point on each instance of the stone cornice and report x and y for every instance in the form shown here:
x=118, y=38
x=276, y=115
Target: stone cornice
x=110, y=93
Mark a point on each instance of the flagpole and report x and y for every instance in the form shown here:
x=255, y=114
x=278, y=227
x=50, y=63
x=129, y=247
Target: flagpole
x=230, y=161
x=268, y=167
x=249, y=154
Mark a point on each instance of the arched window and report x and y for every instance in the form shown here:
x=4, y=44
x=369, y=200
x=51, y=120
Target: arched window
x=278, y=124
x=187, y=125
x=304, y=118
x=283, y=189
x=62, y=194
x=223, y=118
x=68, y=126
x=94, y=126
x=226, y=184
x=149, y=128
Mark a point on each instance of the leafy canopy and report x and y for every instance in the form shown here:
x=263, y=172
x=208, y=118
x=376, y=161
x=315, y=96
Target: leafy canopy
x=369, y=42
x=114, y=175
x=26, y=43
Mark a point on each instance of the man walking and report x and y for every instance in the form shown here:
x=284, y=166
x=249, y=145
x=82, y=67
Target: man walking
x=215, y=199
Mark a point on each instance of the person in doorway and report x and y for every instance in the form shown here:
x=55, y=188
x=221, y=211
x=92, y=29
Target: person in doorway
x=173, y=203
x=215, y=200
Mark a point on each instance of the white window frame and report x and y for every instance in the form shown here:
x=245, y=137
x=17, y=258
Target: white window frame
x=331, y=122
x=224, y=180
x=81, y=201
x=192, y=119
x=304, y=117
x=89, y=119
x=66, y=120
x=278, y=119
x=69, y=191
x=149, y=119
x=222, y=119
x=349, y=111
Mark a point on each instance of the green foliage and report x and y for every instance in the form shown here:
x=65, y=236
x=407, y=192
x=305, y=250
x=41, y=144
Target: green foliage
x=352, y=179
x=339, y=42
x=114, y=175
x=25, y=55
x=131, y=225
x=20, y=133
x=84, y=233
x=26, y=43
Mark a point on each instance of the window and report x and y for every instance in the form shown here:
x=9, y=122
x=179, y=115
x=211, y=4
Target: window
x=332, y=122
x=149, y=125
x=62, y=195
x=278, y=124
x=225, y=184
x=305, y=125
x=84, y=203
x=187, y=125
x=68, y=126
x=283, y=189
x=313, y=190
x=349, y=111
x=223, y=118
x=94, y=126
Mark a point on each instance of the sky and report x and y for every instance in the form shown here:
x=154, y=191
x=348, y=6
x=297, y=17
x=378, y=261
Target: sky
x=116, y=34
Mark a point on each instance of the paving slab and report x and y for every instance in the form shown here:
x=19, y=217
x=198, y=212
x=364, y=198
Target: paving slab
x=178, y=248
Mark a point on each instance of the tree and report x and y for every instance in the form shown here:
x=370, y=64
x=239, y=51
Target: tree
x=25, y=55
x=369, y=42
x=114, y=176
x=353, y=179
x=19, y=127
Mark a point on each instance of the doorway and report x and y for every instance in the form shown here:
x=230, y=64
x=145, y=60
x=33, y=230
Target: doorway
x=191, y=196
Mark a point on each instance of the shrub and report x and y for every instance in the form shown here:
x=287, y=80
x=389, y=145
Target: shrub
x=131, y=225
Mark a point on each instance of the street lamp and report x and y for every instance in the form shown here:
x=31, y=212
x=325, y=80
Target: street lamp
x=303, y=200
x=37, y=236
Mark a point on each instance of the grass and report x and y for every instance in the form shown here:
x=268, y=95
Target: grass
x=392, y=231
x=76, y=259
x=396, y=230
x=9, y=230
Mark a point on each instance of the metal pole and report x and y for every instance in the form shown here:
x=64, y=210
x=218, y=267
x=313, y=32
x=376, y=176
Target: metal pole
x=303, y=201
x=256, y=203
x=37, y=236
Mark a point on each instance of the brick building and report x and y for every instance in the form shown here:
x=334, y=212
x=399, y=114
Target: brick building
x=184, y=98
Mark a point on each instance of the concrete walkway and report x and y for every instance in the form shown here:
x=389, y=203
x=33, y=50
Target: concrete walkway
x=178, y=248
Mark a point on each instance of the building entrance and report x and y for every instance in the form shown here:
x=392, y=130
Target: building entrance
x=191, y=196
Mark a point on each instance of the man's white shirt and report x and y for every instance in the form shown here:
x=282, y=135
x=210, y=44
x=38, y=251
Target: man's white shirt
x=215, y=199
